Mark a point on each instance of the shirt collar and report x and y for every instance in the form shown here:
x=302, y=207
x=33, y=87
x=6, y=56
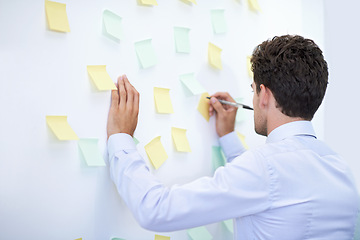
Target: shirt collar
x=291, y=129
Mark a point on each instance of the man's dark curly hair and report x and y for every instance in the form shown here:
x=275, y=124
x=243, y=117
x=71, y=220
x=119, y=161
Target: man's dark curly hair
x=295, y=71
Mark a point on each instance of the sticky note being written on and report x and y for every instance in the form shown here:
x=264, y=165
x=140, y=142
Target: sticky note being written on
x=100, y=77
x=148, y=2
x=218, y=158
x=156, y=152
x=163, y=100
x=160, y=237
x=112, y=25
x=90, y=150
x=199, y=233
x=214, y=54
x=61, y=128
x=182, y=43
x=203, y=106
x=254, y=5
x=218, y=21
x=56, y=16
x=145, y=53
x=191, y=83
x=180, y=139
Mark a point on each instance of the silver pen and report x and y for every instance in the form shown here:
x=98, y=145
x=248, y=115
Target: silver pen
x=234, y=104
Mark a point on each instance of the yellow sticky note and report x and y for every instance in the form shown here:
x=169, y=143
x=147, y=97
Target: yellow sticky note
x=61, y=127
x=189, y=1
x=248, y=65
x=148, y=2
x=56, y=16
x=254, y=5
x=203, y=106
x=242, y=139
x=180, y=140
x=163, y=100
x=214, y=53
x=100, y=77
x=160, y=237
x=156, y=152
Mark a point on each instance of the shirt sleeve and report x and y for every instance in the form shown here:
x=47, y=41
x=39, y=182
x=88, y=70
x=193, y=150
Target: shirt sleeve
x=231, y=146
x=239, y=189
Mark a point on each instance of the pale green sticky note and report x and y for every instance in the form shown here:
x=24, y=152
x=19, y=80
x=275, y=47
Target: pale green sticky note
x=112, y=25
x=229, y=225
x=90, y=150
x=218, y=158
x=135, y=140
x=199, y=233
x=115, y=238
x=218, y=21
x=182, y=43
x=192, y=84
x=145, y=53
x=240, y=114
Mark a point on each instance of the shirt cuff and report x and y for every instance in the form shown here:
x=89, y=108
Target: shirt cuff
x=231, y=145
x=119, y=142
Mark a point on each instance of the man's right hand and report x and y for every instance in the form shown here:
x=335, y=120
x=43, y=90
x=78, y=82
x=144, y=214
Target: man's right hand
x=225, y=114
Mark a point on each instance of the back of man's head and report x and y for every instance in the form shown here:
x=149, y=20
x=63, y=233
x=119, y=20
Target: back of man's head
x=295, y=71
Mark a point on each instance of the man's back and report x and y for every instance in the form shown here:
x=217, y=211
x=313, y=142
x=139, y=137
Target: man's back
x=312, y=193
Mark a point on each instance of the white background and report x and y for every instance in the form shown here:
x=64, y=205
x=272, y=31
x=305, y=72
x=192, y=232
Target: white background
x=46, y=189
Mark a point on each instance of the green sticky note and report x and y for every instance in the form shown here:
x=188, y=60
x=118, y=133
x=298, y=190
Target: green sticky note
x=241, y=112
x=182, y=43
x=90, y=151
x=218, y=21
x=192, y=84
x=218, y=158
x=135, y=140
x=199, y=233
x=117, y=238
x=229, y=225
x=112, y=25
x=145, y=53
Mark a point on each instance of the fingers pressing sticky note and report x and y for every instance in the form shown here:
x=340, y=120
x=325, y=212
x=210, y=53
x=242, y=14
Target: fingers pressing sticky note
x=162, y=100
x=218, y=21
x=192, y=84
x=112, y=25
x=182, y=43
x=100, y=77
x=56, y=16
x=156, y=152
x=145, y=53
x=61, y=128
x=160, y=237
x=203, y=106
x=90, y=150
x=214, y=54
x=180, y=139
x=199, y=233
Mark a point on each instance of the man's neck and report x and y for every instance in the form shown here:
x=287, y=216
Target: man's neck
x=277, y=119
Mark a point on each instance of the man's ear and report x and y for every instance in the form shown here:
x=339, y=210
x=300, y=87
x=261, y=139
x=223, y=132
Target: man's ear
x=264, y=96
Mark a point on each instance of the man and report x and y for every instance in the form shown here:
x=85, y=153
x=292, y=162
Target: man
x=292, y=187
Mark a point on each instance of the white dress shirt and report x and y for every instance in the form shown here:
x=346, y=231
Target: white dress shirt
x=292, y=187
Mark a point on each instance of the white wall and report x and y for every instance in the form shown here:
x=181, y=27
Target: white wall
x=342, y=51
x=46, y=189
